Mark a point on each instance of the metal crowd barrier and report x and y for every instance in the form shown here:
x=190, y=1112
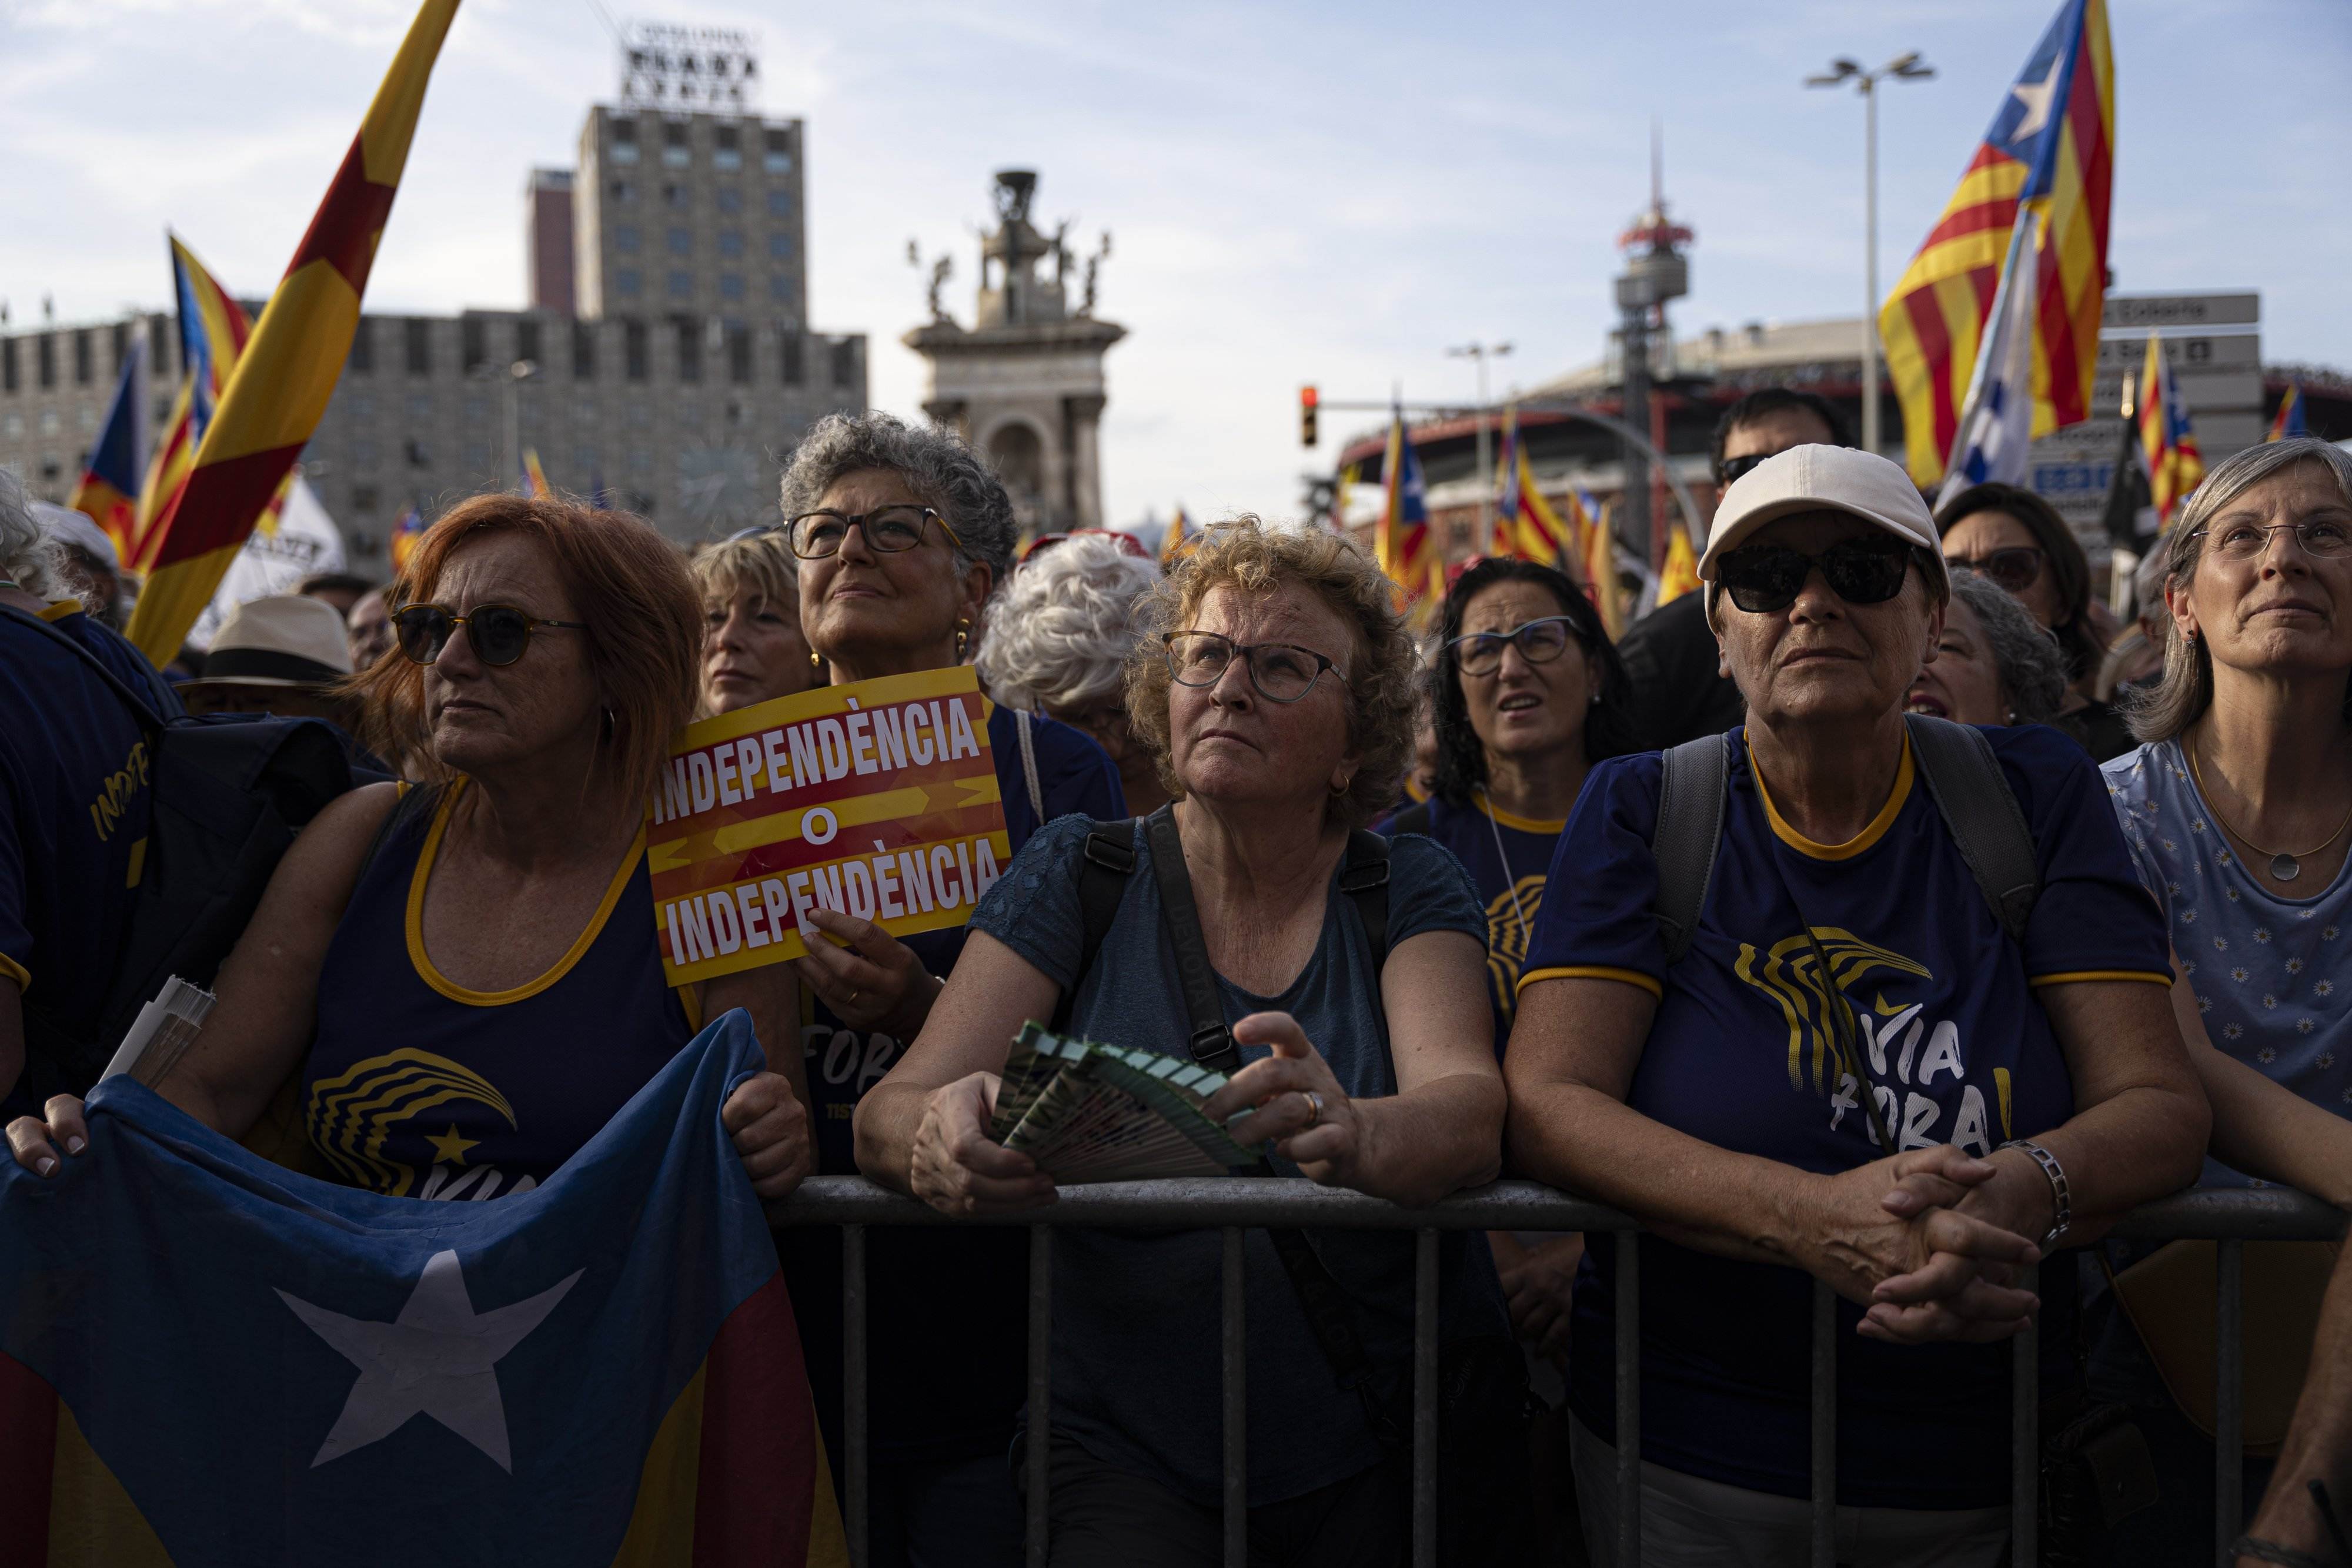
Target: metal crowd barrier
x=1232, y=1205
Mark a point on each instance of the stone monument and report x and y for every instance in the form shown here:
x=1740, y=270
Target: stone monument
x=1024, y=384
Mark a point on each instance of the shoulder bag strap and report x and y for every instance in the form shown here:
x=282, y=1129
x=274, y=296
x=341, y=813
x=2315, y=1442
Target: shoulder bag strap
x=1321, y=1301
x=1982, y=811
x=1025, y=727
x=1689, y=830
x=1107, y=862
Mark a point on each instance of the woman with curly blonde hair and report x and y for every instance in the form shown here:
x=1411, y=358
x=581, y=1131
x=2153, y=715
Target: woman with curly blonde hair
x=1279, y=705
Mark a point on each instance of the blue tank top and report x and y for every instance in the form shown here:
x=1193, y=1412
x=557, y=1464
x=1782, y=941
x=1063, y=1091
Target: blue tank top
x=418, y=1087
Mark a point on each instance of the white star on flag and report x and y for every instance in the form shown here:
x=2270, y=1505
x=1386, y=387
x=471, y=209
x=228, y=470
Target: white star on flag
x=2035, y=96
x=436, y=1359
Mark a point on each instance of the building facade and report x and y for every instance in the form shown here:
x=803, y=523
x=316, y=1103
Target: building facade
x=672, y=373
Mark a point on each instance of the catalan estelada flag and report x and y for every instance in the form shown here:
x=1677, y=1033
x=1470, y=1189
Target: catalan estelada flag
x=1408, y=551
x=1179, y=536
x=2175, y=466
x=213, y=331
x=281, y=383
x=534, y=477
x=2288, y=424
x=1679, y=575
x=406, y=533
x=108, y=491
x=1525, y=524
x=2051, y=149
x=1599, y=567
x=602, y=1370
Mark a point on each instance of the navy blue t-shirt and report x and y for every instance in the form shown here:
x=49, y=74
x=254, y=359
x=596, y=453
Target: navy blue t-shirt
x=75, y=795
x=1134, y=1317
x=120, y=657
x=1740, y=1055
x=946, y=1325
x=1508, y=859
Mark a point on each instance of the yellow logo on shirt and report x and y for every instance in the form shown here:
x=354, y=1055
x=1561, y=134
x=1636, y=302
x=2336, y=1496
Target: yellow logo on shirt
x=1791, y=977
x=1510, y=917
x=350, y=1116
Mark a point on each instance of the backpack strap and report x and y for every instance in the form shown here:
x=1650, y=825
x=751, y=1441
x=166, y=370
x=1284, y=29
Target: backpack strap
x=1689, y=831
x=1209, y=1039
x=1982, y=814
x=1108, y=861
x=1364, y=877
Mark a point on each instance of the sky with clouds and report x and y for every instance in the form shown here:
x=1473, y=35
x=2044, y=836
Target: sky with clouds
x=1325, y=192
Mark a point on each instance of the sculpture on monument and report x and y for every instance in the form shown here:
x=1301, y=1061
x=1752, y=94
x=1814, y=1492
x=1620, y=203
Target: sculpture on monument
x=1024, y=384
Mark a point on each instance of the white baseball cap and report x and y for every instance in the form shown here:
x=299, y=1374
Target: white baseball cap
x=1823, y=478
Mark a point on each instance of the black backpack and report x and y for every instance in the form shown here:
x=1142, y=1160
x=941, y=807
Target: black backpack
x=226, y=797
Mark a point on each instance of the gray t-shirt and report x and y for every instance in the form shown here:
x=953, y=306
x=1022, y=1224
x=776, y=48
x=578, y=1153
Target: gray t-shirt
x=1136, y=1369
x=2272, y=975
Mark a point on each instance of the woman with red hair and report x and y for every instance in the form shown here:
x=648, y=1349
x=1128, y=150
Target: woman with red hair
x=462, y=975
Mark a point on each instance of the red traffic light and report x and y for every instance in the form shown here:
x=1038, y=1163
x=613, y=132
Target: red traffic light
x=1307, y=403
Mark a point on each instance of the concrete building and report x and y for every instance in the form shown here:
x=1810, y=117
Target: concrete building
x=1024, y=383
x=666, y=360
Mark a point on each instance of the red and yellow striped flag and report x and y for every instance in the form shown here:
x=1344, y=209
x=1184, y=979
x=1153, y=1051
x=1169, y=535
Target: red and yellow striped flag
x=281, y=383
x=2175, y=464
x=1679, y=575
x=213, y=330
x=1407, y=551
x=2052, y=149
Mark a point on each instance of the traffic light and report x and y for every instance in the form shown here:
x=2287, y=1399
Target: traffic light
x=1306, y=406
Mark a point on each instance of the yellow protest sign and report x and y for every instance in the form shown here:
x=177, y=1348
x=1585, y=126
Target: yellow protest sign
x=879, y=799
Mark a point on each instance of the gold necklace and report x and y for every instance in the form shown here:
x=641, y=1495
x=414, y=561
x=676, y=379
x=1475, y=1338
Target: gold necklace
x=2285, y=866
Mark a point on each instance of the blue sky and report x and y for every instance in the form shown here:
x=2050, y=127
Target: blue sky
x=1298, y=192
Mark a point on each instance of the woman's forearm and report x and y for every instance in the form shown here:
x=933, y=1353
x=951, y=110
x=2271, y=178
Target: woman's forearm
x=1687, y=1190
x=2131, y=1149
x=2319, y=1439
x=2266, y=1129
x=1434, y=1139
x=883, y=1133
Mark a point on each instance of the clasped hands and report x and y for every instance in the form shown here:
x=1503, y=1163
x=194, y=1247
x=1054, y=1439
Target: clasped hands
x=1290, y=1101
x=1930, y=1242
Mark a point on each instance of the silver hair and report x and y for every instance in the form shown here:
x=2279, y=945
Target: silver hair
x=951, y=478
x=2180, y=697
x=29, y=555
x=1060, y=633
x=2025, y=655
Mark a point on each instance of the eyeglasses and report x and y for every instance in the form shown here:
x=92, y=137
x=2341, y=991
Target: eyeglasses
x=499, y=632
x=1280, y=672
x=890, y=530
x=1762, y=578
x=1539, y=642
x=2244, y=541
x=2016, y=568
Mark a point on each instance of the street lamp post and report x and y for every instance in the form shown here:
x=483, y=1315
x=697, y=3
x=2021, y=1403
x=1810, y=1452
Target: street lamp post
x=1902, y=67
x=510, y=380
x=1480, y=353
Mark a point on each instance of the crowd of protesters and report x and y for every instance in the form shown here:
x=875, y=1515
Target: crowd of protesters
x=1458, y=922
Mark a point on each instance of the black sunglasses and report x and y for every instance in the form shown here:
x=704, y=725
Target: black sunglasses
x=499, y=632
x=1733, y=467
x=1762, y=578
x=2015, y=568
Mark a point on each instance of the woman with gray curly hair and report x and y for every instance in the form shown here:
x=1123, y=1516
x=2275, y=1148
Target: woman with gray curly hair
x=1280, y=710
x=1994, y=663
x=902, y=534
x=1058, y=641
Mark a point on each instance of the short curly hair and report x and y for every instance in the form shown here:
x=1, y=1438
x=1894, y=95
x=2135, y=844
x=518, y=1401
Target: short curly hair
x=1243, y=552
x=951, y=478
x=2027, y=657
x=1060, y=635
x=760, y=564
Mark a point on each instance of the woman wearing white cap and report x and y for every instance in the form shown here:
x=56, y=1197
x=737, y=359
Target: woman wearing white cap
x=1952, y=1102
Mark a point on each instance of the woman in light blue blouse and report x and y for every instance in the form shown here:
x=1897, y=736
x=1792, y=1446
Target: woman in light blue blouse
x=2237, y=806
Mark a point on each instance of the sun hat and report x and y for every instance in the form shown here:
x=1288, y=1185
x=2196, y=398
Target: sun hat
x=1823, y=478
x=285, y=640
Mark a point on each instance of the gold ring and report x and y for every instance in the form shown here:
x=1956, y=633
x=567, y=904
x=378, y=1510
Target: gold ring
x=1314, y=1107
